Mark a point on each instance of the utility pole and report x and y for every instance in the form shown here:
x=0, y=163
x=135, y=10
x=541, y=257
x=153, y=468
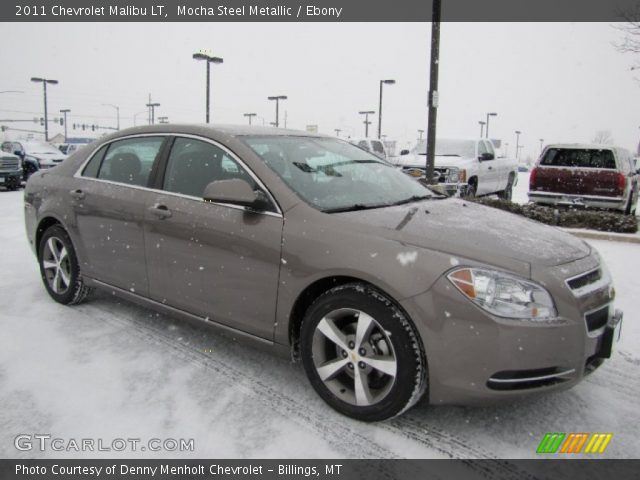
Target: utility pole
x=366, y=121
x=152, y=108
x=433, y=90
x=44, y=82
x=64, y=112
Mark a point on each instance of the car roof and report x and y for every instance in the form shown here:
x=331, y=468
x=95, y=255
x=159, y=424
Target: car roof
x=216, y=130
x=589, y=146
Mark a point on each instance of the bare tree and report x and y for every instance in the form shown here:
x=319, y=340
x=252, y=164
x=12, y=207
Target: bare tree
x=630, y=29
x=603, y=137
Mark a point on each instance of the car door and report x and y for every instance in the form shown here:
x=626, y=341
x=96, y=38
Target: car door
x=218, y=261
x=487, y=179
x=109, y=200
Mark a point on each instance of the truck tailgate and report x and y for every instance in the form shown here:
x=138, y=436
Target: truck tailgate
x=577, y=181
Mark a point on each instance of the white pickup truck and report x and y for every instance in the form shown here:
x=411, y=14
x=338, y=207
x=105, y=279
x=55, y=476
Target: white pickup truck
x=463, y=167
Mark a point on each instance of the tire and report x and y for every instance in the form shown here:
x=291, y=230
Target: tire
x=342, y=332
x=59, y=267
x=507, y=193
x=472, y=189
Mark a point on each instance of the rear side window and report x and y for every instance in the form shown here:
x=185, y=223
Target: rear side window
x=579, y=158
x=130, y=161
x=194, y=164
x=377, y=147
x=93, y=166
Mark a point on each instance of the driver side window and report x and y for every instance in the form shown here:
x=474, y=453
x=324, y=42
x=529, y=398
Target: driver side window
x=193, y=164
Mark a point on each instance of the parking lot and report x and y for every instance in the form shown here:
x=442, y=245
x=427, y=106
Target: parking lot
x=110, y=369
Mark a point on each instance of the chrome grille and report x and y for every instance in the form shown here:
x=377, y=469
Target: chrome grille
x=9, y=163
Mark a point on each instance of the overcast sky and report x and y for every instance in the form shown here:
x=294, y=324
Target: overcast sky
x=556, y=81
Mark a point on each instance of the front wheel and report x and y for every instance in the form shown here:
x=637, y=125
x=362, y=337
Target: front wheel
x=361, y=353
x=59, y=267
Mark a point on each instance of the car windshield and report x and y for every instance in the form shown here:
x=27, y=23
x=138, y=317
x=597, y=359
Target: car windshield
x=579, y=158
x=38, y=147
x=333, y=175
x=448, y=148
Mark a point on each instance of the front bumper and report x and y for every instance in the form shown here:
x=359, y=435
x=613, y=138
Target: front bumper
x=8, y=178
x=592, y=201
x=476, y=358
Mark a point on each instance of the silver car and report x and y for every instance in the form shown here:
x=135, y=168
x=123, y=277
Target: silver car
x=307, y=245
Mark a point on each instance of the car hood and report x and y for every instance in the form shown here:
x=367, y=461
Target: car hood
x=475, y=232
x=440, y=160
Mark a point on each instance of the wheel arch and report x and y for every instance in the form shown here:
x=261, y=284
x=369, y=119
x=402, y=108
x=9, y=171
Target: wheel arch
x=45, y=223
x=314, y=290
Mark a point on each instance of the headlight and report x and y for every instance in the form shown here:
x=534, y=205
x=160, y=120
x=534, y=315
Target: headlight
x=453, y=176
x=504, y=295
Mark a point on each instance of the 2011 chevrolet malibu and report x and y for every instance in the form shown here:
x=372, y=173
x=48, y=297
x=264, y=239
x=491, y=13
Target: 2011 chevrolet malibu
x=310, y=246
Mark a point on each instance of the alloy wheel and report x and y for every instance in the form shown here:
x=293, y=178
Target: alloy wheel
x=56, y=264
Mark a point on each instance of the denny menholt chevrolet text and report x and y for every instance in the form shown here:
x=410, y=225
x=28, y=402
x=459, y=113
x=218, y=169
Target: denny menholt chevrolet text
x=385, y=290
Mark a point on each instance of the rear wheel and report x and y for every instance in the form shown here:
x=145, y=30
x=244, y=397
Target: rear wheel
x=507, y=193
x=361, y=354
x=59, y=267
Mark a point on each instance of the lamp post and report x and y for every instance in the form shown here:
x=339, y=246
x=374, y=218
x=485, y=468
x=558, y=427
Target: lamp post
x=482, y=124
x=337, y=130
x=209, y=60
x=382, y=82
x=541, y=144
x=434, y=96
x=518, y=132
x=249, y=116
x=44, y=82
x=64, y=112
x=366, y=121
x=420, y=133
x=117, y=113
x=277, y=99
x=493, y=114
x=152, y=106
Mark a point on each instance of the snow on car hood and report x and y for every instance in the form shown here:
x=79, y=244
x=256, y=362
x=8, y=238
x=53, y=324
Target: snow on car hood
x=440, y=160
x=480, y=233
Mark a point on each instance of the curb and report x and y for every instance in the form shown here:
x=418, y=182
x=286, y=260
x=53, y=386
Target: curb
x=612, y=237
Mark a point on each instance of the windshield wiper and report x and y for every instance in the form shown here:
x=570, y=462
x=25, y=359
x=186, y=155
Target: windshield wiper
x=355, y=207
x=413, y=198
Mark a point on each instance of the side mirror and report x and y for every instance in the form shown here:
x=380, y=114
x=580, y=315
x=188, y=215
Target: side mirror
x=486, y=156
x=404, y=152
x=18, y=153
x=236, y=192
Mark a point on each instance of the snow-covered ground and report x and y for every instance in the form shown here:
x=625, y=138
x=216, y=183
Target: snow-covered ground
x=109, y=369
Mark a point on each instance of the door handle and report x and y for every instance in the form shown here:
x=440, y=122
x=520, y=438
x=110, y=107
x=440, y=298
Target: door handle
x=160, y=211
x=77, y=194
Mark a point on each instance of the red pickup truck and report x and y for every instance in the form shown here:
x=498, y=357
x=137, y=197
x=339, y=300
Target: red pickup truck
x=595, y=176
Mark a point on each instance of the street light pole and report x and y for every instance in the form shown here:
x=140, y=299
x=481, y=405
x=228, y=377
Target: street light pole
x=433, y=90
x=366, y=121
x=249, y=116
x=153, y=106
x=518, y=132
x=382, y=82
x=44, y=82
x=482, y=124
x=64, y=111
x=337, y=130
x=117, y=113
x=489, y=115
x=420, y=132
x=209, y=60
x=541, y=144
x=277, y=99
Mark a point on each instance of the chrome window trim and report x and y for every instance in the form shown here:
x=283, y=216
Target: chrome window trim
x=278, y=214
